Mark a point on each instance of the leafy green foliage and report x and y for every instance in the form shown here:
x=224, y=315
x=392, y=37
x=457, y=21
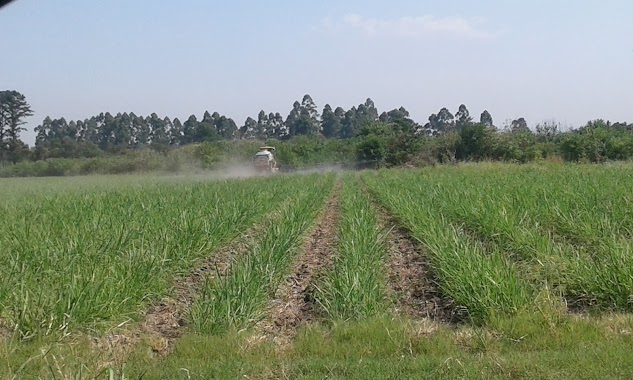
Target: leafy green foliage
x=477, y=142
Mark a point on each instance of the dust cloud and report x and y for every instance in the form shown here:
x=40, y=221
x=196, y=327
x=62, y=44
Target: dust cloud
x=246, y=170
x=321, y=169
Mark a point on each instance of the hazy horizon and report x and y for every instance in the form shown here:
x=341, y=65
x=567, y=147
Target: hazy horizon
x=566, y=61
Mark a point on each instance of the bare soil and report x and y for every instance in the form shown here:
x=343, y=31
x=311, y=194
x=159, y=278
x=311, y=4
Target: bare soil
x=5, y=331
x=412, y=281
x=410, y=275
x=294, y=302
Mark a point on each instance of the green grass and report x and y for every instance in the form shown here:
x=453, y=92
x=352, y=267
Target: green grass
x=355, y=288
x=383, y=348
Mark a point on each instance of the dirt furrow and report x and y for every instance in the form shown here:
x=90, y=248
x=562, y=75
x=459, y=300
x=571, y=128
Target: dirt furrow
x=294, y=301
x=165, y=320
x=411, y=278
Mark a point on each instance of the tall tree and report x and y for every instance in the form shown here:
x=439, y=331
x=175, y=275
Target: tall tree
x=42, y=131
x=142, y=131
x=13, y=110
x=486, y=118
x=104, y=131
x=159, y=134
x=432, y=127
x=446, y=120
x=339, y=112
x=89, y=133
x=226, y=127
x=123, y=133
x=175, y=132
x=206, y=129
x=519, y=126
x=366, y=114
x=441, y=123
x=400, y=120
x=308, y=121
x=310, y=109
x=189, y=129
x=262, y=128
x=58, y=130
x=330, y=122
x=462, y=117
x=72, y=130
x=248, y=129
x=349, y=126
x=292, y=120
x=277, y=125
x=163, y=137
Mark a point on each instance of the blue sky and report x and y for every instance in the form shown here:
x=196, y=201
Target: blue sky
x=565, y=60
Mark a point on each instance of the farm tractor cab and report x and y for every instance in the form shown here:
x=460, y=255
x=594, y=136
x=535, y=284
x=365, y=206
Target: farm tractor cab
x=264, y=160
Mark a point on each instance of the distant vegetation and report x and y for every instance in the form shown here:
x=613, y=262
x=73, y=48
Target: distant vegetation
x=129, y=143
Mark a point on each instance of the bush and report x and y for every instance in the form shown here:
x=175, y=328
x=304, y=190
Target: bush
x=477, y=142
x=50, y=168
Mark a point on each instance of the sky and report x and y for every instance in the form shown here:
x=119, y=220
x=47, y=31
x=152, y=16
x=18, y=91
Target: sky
x=562, y=60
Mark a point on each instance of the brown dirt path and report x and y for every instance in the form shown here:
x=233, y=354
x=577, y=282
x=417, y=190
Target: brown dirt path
x=294, y=303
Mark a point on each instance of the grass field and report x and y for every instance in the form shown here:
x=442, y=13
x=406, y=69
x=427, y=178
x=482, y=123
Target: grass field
x=470, y=271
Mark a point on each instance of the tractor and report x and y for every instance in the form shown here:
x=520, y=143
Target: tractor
x=264, y=161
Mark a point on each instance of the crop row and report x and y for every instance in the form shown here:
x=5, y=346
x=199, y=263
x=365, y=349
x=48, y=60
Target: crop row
x=496, y=236
x=480, y=279
x=103, y=255
x=238, y=299
x=355, y=287
x=521, y=220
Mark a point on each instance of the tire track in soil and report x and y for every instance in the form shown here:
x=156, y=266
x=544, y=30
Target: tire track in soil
x=411, y=278
x=294, y=302
x=165, y=321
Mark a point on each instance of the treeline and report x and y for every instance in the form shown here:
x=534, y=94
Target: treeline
x=388, y=138
x=107, y=133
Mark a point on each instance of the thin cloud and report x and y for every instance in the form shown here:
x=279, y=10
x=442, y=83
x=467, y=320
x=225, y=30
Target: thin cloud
x=428, y=25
